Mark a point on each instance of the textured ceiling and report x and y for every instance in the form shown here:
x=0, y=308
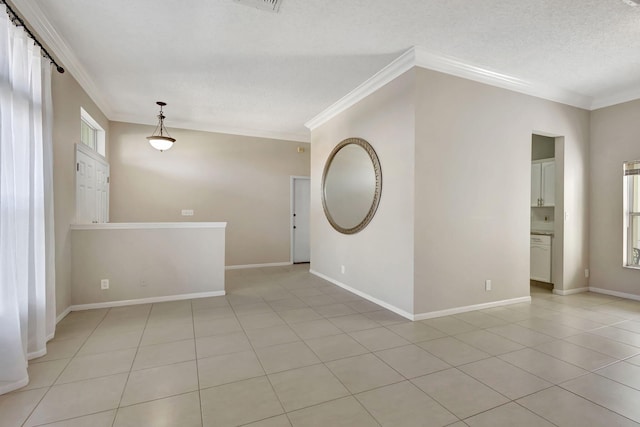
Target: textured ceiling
x=223, y=66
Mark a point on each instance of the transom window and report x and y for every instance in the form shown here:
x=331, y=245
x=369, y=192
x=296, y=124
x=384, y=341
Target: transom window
x=632, y=214
x=91, y=134
x=88, y=135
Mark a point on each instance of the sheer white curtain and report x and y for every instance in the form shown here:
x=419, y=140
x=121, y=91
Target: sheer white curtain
x=27, y=294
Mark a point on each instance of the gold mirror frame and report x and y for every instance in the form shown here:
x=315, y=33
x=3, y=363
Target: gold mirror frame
x=378, y=189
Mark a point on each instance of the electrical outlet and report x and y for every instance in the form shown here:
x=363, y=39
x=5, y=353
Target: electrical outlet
x=342, y=269
x=487, y=285
x=104, y=284
x=586, y=272
x=187, y=212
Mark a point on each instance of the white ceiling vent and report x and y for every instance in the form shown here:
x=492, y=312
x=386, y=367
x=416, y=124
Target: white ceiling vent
x=270, y=5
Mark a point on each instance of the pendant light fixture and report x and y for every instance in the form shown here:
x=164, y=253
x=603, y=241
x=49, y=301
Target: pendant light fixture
x=162, y=141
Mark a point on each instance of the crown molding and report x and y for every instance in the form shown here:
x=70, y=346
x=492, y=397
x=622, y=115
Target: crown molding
x=38, y=22
x=414, y=57
x=397, y=67
x=207, y=127
x=420, y=57
x=257, y=133
x=448, y=65
x=614, y=99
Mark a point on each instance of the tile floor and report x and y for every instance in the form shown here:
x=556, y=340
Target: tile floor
x=285, y=348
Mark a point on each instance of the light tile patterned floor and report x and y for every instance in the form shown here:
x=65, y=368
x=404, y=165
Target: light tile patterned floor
x=285, y=348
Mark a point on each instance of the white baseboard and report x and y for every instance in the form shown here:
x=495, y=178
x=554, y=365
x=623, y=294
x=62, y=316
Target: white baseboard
x=151, y=300
x=243, y=266
x=36, y=354
x=615, y=293
x=474, y=307
x=63, y=315
x=14, y=385
x=422, y=316
x=374, y=300
x=570, y=291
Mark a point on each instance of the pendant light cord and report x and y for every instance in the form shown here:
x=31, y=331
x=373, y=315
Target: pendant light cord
x=18, y=22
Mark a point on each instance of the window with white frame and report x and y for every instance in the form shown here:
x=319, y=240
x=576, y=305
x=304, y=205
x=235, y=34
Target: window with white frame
x=91, y=133
x=88, y=135
x=632, y=214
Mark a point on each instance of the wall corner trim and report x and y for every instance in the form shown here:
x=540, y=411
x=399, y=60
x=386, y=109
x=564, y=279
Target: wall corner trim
x=615, y=293
x=474, y=307
x=151, y=300
x=366, y=296
x=421, y=57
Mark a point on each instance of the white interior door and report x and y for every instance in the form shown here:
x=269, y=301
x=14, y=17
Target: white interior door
x=92, y=187
x=301, y=201
x=102, y=191
x=85, y=188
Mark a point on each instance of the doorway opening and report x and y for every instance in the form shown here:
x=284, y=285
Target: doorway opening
x=546, y=212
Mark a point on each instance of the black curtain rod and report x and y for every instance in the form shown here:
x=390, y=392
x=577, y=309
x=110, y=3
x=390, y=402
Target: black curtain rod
x=18, y=22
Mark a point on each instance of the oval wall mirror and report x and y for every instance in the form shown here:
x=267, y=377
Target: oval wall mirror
x=351, y=185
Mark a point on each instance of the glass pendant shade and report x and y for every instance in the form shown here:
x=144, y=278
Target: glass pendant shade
x=160, y=139
x=161, y=143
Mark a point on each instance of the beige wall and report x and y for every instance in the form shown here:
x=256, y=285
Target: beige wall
x=68, y=97
x=378, y=260
x=244, y=181
x=146, y=263
x=455, y=211
x=615, y=138
x=473, y=174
